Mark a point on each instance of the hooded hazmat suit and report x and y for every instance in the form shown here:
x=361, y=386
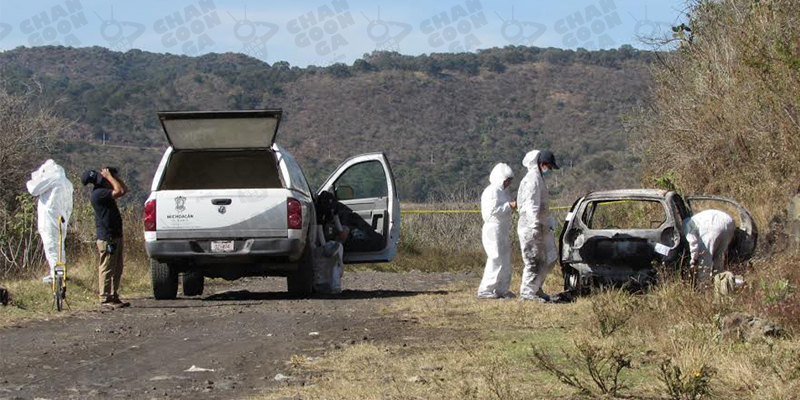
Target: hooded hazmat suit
x=709, y=233
x=50, y=184
x=535, y=228
x=496, y=212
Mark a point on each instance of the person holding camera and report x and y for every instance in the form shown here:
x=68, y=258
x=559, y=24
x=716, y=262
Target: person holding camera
x=108, y=187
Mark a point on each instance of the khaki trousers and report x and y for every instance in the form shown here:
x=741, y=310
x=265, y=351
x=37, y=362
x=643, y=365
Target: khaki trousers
x=110, y=270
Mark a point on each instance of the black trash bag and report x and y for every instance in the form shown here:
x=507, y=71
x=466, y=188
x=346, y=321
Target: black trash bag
x=4, y=296
x=565, y=297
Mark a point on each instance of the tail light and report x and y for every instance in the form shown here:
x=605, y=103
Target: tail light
x=294, y=215
x=149, y=216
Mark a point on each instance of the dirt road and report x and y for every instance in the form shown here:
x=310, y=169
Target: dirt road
x=242, y=332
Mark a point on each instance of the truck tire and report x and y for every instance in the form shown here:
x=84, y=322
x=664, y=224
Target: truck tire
x=165, y=280
x=300, y=283
x=193, y=283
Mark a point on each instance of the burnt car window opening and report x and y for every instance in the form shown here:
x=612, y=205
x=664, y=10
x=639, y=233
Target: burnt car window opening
x=627, y=214
x=730, y=209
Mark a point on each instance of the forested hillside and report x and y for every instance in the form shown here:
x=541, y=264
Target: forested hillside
x=443, y=119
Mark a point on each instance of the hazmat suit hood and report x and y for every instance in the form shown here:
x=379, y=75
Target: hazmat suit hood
x=499, y=174
x=531, y=160
x=50, y=184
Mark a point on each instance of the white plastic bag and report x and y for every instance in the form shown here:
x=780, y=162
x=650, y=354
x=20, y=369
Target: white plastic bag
x=50, y=184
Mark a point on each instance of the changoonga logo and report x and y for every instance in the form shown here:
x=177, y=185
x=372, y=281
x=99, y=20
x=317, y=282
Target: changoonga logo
x=456, y=27
x=387, y=35
x=589, y=28
x=522, y=33
x=647, y=29
x=56, y=25
x=180, y=204
x=5, y=30
x=189, y=27
x=120, y=35
x=322, y=28
x=254, y=35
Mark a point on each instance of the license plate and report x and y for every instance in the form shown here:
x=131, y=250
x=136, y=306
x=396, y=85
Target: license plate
x=222, y=246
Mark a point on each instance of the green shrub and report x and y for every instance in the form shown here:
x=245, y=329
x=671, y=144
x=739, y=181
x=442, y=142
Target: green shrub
x=679, y=386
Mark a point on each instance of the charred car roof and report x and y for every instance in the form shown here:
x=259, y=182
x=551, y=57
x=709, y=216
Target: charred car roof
x=625, y=193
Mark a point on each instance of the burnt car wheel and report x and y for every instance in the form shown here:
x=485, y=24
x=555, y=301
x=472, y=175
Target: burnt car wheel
x=572, y=279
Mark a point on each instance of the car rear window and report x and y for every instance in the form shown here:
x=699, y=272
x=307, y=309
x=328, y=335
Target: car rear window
x=624, y=214
x=205, y=170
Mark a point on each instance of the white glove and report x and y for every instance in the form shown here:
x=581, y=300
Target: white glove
x=551, y=222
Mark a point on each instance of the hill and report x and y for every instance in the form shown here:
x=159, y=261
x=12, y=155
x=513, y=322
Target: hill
x=443, y=119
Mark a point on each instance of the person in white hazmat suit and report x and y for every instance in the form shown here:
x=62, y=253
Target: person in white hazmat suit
x=536, y=226
x=50, y=184
x=708, y=233
x=496, y=209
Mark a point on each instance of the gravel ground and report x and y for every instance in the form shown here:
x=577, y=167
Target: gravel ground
x=239, y=336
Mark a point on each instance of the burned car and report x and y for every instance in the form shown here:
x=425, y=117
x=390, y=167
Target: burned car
x=620, y=236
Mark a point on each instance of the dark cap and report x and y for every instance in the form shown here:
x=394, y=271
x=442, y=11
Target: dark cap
x=90, y=176
x=547, y=157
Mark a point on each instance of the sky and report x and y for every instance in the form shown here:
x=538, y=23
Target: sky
x=324, y=32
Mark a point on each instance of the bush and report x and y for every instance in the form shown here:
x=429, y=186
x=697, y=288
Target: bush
x=598, y=365
x=20, y=245
x=611, y=310
x=681, y=387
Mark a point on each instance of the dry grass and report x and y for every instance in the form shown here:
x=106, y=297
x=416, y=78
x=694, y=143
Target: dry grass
x=483, y=349
x=724, y=113
x=31, y=298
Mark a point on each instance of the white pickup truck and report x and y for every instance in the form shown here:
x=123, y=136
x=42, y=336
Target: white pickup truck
x=227, y=202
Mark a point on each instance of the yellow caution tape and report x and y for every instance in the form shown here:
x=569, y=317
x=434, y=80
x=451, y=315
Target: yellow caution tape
x=438, y=211
x=477, y=211
x=457, y=211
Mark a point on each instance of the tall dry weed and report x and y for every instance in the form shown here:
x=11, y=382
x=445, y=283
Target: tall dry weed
x=725, y=114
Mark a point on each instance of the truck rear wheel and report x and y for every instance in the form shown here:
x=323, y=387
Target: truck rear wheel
x=193, y=283
x=300, y=283
x=165, y=280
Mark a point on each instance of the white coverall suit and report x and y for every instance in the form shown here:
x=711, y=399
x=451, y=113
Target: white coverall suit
x=496, y=212
x=50, y=184
x=535, y=229
x=709, y=233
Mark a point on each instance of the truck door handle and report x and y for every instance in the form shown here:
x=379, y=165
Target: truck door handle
x=221, y=202
x=375, y=220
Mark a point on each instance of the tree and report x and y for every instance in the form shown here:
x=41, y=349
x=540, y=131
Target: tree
x=29, y=130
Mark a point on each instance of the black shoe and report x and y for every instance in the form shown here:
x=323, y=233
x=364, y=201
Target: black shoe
x=117, y=303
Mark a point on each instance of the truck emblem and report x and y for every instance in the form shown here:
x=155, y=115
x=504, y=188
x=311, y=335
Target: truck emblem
x=180, y=204
x=222, y=209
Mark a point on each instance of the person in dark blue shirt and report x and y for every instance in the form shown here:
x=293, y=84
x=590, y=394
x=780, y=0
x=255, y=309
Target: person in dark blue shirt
x=108, y=187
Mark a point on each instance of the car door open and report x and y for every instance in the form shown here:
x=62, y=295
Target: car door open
x=365, y=188
x=746, y=237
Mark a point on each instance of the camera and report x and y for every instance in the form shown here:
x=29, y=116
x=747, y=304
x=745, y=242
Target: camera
x=113, y=170
x=111, y=247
